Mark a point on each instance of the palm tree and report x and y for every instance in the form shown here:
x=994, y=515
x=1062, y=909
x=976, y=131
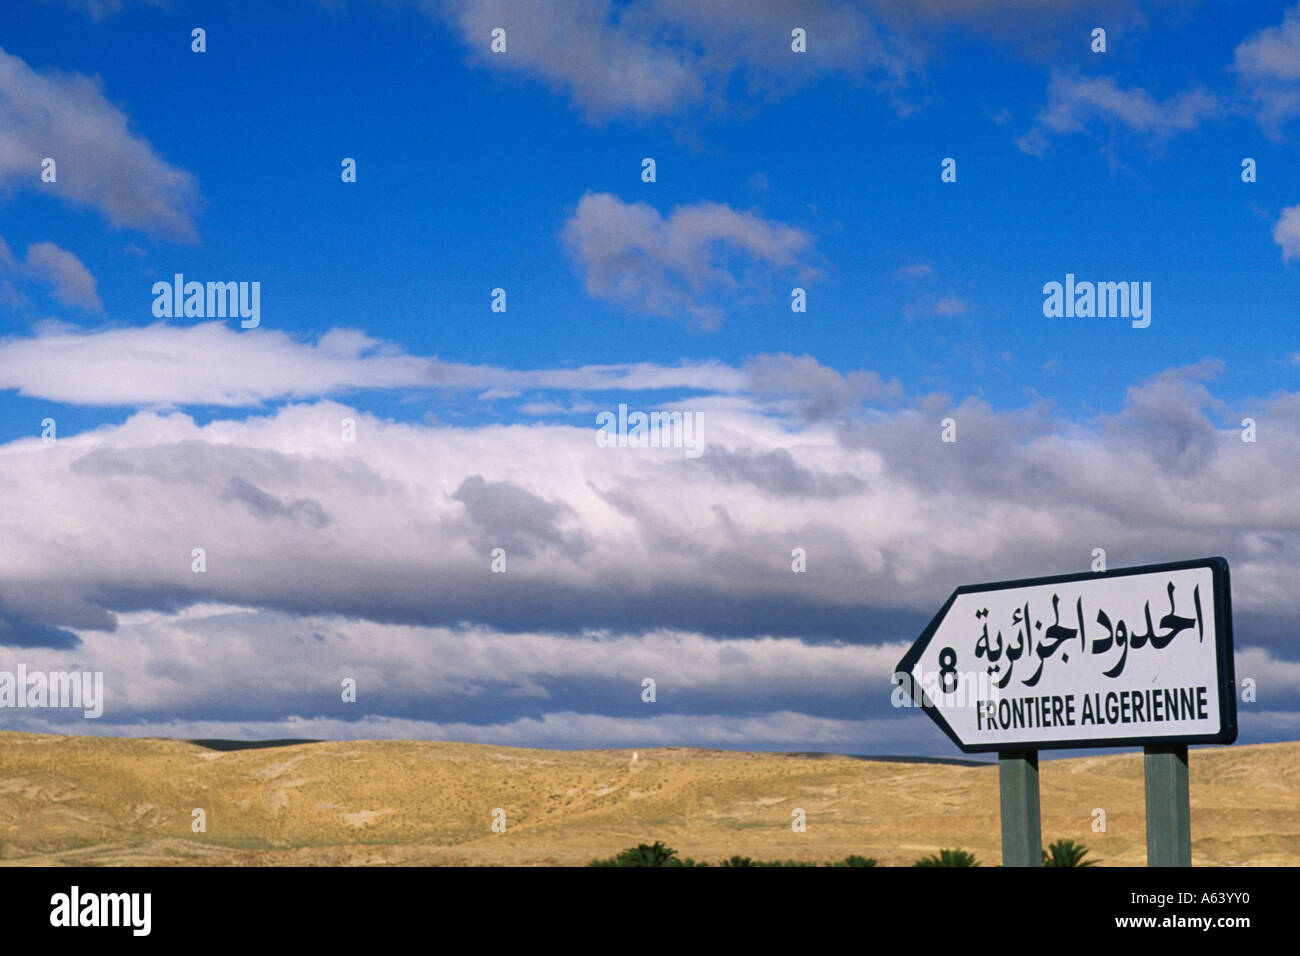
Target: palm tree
x=949, y=858
x=655, y=854
x=1066, y=853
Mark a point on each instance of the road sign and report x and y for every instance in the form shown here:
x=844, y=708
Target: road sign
x=1130, y=657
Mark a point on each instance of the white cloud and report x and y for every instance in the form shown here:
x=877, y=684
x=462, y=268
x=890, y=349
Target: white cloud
x=72, y=281
x=803, y=387
x=214, y=363
x=328, y=559
x=209, y=364
x=1286, y=233
x=1268, y=65
x=653, y=59
x=100, y=163
x=399, y=525
x=1074, y=102
x=1272, y=675
x=657, y=58
x=48, y=264
x=679, y=266
x=287, y=663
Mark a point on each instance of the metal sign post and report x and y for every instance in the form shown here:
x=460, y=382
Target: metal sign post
x=1169, y=808
x=1135, y=657
x=1022, y=831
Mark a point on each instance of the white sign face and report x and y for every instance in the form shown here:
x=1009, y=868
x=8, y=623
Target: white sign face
x=1132, y=656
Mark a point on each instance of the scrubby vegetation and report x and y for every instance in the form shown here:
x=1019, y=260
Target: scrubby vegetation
x=1060, y=853
x=656, y=854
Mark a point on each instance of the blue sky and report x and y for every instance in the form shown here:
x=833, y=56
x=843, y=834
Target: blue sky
x=522, y=170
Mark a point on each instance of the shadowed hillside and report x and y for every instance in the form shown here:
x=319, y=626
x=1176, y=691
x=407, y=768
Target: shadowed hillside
x=92, y=800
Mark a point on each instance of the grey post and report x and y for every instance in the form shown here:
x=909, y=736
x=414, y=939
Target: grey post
x=1169, y=812
x=1022, y=832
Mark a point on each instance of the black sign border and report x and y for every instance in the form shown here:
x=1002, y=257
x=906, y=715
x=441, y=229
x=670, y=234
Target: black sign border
x=1227, y=732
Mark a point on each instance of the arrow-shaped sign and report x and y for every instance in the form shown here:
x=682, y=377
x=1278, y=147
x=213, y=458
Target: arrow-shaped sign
x=1121, y=658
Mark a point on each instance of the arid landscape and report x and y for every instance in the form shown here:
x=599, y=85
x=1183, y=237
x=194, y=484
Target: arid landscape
x=114, y=801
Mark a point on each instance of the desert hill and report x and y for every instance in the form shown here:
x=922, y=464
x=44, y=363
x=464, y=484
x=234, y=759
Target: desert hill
x=116, y=801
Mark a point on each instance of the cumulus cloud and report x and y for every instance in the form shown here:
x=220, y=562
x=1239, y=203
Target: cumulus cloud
x=185, y=662
x=653, y=59
x=398, y=525
x=101, y=163
x=371, y=558
x=1268, y=66
x=777, y=472
x=47, y=263
x=802, y=386
x=1286, y=233
x=72, y=281
x=514, y=518
x=1074, y=102
x=661, y=57
x=1272, y=675
x=692, y=264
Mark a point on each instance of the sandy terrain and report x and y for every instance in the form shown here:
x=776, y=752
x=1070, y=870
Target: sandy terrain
x=112, y=801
